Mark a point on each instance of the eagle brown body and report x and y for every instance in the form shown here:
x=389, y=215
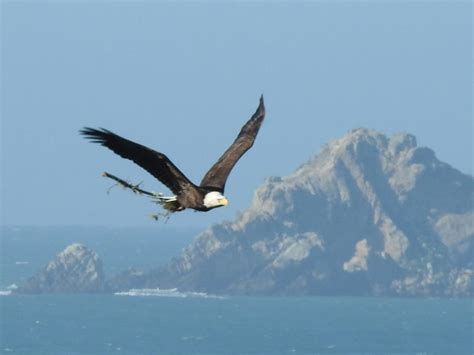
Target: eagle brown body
x=208, y=194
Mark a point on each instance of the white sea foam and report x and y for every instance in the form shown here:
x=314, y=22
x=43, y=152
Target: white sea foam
x=8, y=290
x=192, y=338
x=172, y=292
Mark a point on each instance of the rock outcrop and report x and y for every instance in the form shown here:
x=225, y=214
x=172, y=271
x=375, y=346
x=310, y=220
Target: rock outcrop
x=369, y=215
x=75, y=269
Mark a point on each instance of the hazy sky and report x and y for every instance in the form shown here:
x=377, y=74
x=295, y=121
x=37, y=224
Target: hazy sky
x=182, y=78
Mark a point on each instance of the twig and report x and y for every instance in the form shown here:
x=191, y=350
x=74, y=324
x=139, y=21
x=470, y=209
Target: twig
x=166, y=216
x=135, y=188
x=169, y=203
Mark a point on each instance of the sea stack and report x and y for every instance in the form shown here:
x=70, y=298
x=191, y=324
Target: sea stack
x=75, y=269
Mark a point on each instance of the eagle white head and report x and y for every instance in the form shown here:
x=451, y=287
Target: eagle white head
x=214, y=199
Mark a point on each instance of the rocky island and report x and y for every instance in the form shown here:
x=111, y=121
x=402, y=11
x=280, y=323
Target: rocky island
x=368, y=215
x=75, y=269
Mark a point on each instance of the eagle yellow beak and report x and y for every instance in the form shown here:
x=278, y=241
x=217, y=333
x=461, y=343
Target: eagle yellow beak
x=223, y=201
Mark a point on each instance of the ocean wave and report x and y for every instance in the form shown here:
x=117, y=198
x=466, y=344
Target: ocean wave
x=172, y=292
x=8, y=290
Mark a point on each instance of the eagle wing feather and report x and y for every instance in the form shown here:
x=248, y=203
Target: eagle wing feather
x=217, y=175
x=156, y=163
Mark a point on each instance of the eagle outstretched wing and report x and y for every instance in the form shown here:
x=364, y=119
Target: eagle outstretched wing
x=217, y=175
x=156, y=163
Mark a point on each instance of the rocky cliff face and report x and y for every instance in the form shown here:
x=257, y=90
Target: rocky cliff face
x=368, y=215
x=76, y=269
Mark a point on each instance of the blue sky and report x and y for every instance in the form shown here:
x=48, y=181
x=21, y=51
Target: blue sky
x=183, y=77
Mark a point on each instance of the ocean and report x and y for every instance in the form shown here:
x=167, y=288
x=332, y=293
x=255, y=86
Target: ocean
x=173, y=322
x=201, y=324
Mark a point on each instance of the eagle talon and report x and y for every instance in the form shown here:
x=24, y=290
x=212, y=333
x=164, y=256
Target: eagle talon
x=169, y=203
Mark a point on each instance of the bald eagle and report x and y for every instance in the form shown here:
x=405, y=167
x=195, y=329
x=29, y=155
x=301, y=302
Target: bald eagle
x=209, y=194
